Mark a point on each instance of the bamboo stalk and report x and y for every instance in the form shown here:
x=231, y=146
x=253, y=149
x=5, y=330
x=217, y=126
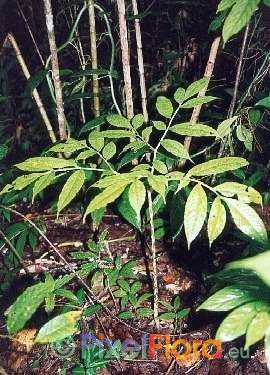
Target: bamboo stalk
x=140, y=61
x=154, y=259
x=55, y=70
x=125, y=58
x=208, y=74
x=35, y=93
x=94, y=58
x=236, y=85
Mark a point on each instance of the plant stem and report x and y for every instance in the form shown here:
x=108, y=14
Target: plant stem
x=154, y=259
x=125, y=58
x=55, y=70
x=94, y=59
x=14, y=250
x=236, y=85
x=140, y=62
x=35, y=93
x=208, y=74
x=109, y=31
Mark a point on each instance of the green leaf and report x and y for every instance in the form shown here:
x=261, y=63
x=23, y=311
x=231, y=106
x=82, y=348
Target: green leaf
x=86, y=154
x=159, y=125
x=58, y=328
x=179, y=95
x=42, y=183
x=96, y=140
x=67, y=294
x=183, y=313
x=3, y=151
x=92, y=124
x=109, y=150
x=195, y=213
x=245, y=193
x=196, y=130
x=216, y=221
x=118, y=121
x=124, y=285
x=158, y=184
x=216, y=166
x=128, y=269
x=92, y=310
x=167, y=316
x=265, y=102
x=26, y=305
x=267, y=2
x=23, y=181
x=175, y=148
x=164, y=107
x=160, y=166
x=137, y=195
x=229, y=297
x=127, y=211
x=225, y=4
x=145, y=311
x=44, y=164
x=112, y=134
x=257, y=328
x=109, y=195
x=70, y=189
x=196, y=87
x=71, y=145
x=137, y=121
x=239, y=16
x=126, y=315
x=135, y=287
x=144, y=297
x=198, y=101
x=35, y=81
x=258, y=264
x=247, y=220
x=224, y=128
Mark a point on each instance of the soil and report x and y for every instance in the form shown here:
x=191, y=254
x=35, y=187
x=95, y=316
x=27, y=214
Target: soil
x=175, y=276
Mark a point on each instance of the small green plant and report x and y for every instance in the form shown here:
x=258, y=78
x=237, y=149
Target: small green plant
x=91, y=361
x=105, y=163
x=244, y=290
x=174, y=312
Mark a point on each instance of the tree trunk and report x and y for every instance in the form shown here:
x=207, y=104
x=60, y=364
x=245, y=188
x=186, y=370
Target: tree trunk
x=94, y=60
x=125, y=58
x=55, y=70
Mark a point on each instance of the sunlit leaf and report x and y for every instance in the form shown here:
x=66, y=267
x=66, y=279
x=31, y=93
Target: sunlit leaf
x=164, y=107
x=195, y=213
x=196, y=87
x=247, y=220
x=239, y=16
x=44, y=164
x=58, y=328
x=137, y=195
x=109, y=195
x=26, y=305
x=216, y=221
x=216, y=166
x=198, y=101
x=109, y=150
x=118, y=121
x=42, y=183
x=236, y=323
x=257, y=328
x=70, y=189
x=196, y=130
x=179, y=95
x=225, y=127
x=175, y=148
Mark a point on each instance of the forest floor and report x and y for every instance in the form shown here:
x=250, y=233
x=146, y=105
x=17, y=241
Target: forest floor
x=21, y=357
